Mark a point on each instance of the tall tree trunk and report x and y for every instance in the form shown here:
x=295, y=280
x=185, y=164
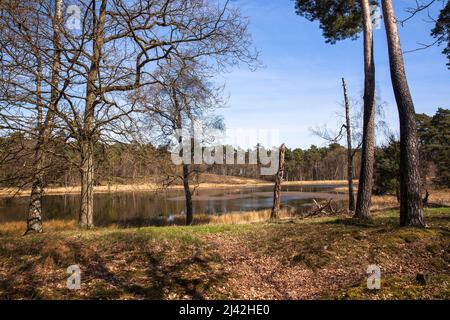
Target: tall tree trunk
x=279, y=178
x=178, y=125
x=348, y=128
x=34, y=219
x=88, y=131
x=86, y=219
x=368, y=144
x=411, y=212
x=188, y=195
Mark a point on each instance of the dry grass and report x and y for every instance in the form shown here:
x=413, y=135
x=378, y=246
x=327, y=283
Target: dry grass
x=440, y=197
x=232, y=218
x=229, y=218
x=383, y=202
x=246, y=217
x=18, y=228
x=437, y=197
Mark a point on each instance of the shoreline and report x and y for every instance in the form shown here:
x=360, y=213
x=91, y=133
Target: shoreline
x=153, y=187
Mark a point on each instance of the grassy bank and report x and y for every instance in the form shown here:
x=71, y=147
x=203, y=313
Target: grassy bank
x=290, y=259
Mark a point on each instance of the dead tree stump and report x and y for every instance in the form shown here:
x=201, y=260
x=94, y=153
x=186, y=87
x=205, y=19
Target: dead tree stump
x=279, y=178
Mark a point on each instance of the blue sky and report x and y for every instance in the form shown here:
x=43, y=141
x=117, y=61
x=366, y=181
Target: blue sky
x=299, y=86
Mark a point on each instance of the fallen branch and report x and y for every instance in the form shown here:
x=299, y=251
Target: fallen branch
x=326, y=209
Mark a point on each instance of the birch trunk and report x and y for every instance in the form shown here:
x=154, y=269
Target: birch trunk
x=34, y=219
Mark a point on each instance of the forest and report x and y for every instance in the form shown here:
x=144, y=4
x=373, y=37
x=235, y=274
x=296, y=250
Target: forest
x=127, y=162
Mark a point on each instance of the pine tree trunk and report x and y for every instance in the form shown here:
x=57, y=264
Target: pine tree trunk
x=279, y=178
x=351, y=197
x=34, y=220
x=86, y=219
x=411, y=212
x=368, y=144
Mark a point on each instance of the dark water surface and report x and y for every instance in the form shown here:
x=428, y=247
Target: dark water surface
x=143, y=207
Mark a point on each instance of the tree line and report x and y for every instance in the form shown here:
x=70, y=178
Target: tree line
x=126, y=163
x=434, y=151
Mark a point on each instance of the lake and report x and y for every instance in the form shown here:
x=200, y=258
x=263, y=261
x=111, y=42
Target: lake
x=144, y=208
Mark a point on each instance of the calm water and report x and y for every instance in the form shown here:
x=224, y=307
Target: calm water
x=143, y=208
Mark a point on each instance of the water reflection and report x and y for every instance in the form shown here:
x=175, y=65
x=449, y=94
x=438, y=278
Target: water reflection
x=144, y=208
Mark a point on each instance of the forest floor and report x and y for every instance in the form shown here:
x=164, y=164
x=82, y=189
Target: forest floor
x=313, y=258
x=208, y=181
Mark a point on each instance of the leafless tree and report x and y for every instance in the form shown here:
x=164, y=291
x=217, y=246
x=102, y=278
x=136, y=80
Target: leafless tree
x=76, y=81
x=34, y=221
x=30, y=65
x=119, y=49
x=183, y=100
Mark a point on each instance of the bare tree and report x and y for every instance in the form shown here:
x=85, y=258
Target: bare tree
x=353, y=132
x=30, y=65
x=181, y=101
x=34, y=220
x=350, y=152
x=119, y=49
x=277, y=188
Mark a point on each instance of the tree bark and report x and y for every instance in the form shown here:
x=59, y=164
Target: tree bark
x=351, y=197
x=34, y=220
x=411, y=212
x=368, y=144
x=178, y=125
x=86, y=219
x=88, y=132
x=188, y=195
x=279, y=178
